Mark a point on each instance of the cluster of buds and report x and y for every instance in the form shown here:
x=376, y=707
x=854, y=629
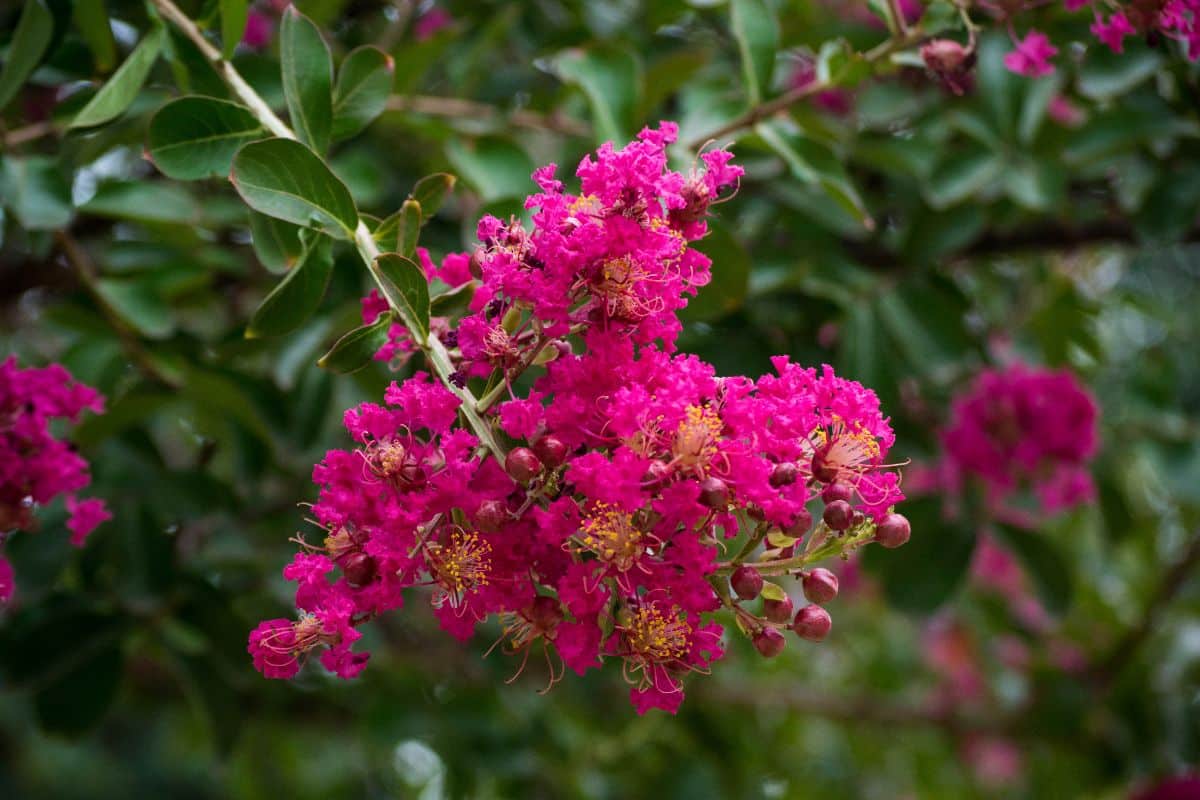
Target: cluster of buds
x=620, y=475
x=35, y=465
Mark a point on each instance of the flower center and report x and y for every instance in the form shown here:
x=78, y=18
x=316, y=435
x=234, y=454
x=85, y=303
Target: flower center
x=461, y=565
x=656, y=636
x=610, y=534
x=695, y=442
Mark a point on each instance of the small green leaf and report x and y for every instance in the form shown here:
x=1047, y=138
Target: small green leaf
x=757, y=33
x=454, y=301
x=1045, y=565
x=29, y=42
x=406, y=289
x=307, y=79
x=357, y=348
x=139, y=303
x=364, y=83
x=780, y=539
x=495, y=167
x=1105, y=75
x=276, y=243
x=121, y=89
x=197, y=137
x=431, y=191
x=284, y=179
x=730, y=276
x=91, y=18
x=144, y=201
x=961, y=176
x=37, y=191
x=813, y=162
x=612, y=80
x=298, y=295
x=398, y=233
x=234, y=14
x=773, y=591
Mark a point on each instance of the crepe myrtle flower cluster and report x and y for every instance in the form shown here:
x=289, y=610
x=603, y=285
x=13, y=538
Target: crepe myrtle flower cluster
x=1025, y=427
x=630, y=471
x=35, y=465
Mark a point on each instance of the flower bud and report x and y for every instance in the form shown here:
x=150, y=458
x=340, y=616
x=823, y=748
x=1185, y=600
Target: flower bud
x=411, y=477
x=657, y=475
x=522, y=465
x=359, y=569
x=801, y=525
x=836, y=491
x=545, y=613
x=812, y=623
x=893, y=531
x=769, y=642
x=778, y=610
x=551, y=450
x=820, y=586
x=747, y=582
x=838, y=515
x=944, y=55
x=784, y=474
x=822, y=470
x=475, y=265
x=492, y=515
x=714, y=493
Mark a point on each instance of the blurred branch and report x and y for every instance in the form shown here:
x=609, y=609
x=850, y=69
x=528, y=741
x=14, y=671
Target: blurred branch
x=29, y=133
x=471, y=109
x=85, y=268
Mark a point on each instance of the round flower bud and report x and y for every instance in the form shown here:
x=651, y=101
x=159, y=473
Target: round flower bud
x=411, y=477
x=812, y=623
x=475, y=265
x=801, y=525
x=492, y=515
x=838, y=515
x=551, y=450
x=657, y=475
x=820, y=586
x=822, y=470
x=836, y=491
x=747, y=582
x=769, y=642
x=784, y=474
x=944, y=55
x=778, y=610
x=522, y=465
x=545, y=613
x=714, y=493
x=893, y=530
x=359, y=569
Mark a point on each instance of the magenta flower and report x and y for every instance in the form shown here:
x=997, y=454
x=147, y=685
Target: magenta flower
x=260, y=30
x=1032, y=55
x=1114, y=31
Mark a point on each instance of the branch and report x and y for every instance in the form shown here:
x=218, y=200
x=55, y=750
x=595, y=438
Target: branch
x=471, y=109
x=28, y=133
x=435, y=352
x=787, y=99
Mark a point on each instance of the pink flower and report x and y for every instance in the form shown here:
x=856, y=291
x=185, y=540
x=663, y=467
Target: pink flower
x=1114, y=31
x=1032, y=56
x=1065, y=113
x=432, y=21
x=7, y=584
x=260, y=30
x=86, y=515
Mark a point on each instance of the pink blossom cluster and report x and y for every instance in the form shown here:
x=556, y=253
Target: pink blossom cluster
x=1112, y=22
x=628, y=468
x=1022, y=426
x=35, y=465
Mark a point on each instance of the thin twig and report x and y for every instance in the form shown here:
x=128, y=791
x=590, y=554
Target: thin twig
x=472, y=109
x=85, y=269
x=28, y=133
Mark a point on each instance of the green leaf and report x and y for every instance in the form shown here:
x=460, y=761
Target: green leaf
x=814, y=163
x=29, y=42
x=121, y=89
x=37, y=191
x=276, y=243
x=1105, y=74
x=1037, y=99
x=139, y=303
x=431, y=191
x=307, y=79
x=357, y=348
x=406, y=289
x=77, y=698
x=1045, y=565
x=454, y=301
x=726, y=292
x=284, y=179
x=409, y=228
x=757, y=33
x=298, y=295
x=961, y=176
x=144, y=201
x=611, y=79
x=197, y=137
x=91, y=18
x=773, y=591
x=364, y=83
x=234, y=14
x=496, y=167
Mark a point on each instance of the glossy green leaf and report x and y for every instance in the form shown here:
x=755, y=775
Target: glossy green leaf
x=298, y=295
x=357, y=348
x=495, y=167
x=406, y=289
x=234, y=14
x=37, y=191
x=409, y=228
x=276, y=243
x=140, y=304
x=431, y=191
x=731, y=266
x=307, y=79
x=286, y=180
x=120, y=90
x=1105, y=75
x=364, y=83
x=611, y=79
x=92, y=21
x=144, y=201
x=962, y=176
x=197, y=137
x=30, y=39
x=814, y=163
x=757, y=33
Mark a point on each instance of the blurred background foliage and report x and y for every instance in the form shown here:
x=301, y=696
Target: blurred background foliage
x=900, y=233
